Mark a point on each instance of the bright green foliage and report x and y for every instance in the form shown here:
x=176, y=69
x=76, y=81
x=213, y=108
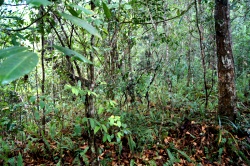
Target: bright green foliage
x=79, y=22
x=11, y=50
x=18, y=63
x=144, y=59
x=38, y=3
x=19, y=160
x=82, y=9
x=72, y=53
x=106, y=10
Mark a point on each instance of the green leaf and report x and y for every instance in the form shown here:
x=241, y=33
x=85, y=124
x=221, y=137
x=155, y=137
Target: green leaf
x=72, y=11
x=70, y=52
x=67, y=87
x=19, y=160
x=170, y=155
x=86, y=11
x=131, y=143
x=111, y=121
x=38, y=3
x=132, y=162
x=109, y=138
x=77, y=129
x=52, y=130
x=36, y=114
x=104, y=128
x=119, y=134
x=84, y=120
x=11, y=161
x=59, y=163
x=104, y=138
x=79, y=22
x=16, y=66
x=96, y=129
x=119, y=124
x=92, y=123
x=42, y=104
x=86, y=149
x=75, y=91
x=127, y=7
x=46, y=142
x=185, y=155
x=106, y=10
x=11, y=50
x=101, y=110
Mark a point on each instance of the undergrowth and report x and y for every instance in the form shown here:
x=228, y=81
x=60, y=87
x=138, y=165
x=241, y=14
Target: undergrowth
x=147, y=136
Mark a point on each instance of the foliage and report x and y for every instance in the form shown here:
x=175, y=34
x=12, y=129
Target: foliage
x=18, y=63
x=118, y=83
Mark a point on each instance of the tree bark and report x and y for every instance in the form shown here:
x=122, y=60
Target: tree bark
x=41, y=10
x=226, y=74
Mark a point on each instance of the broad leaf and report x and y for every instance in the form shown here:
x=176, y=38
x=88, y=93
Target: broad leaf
x=16, y=66
x=75, y=91
x=42, y=104
x=111, y=121
x=104, y=128
x=119, y=124
x=96, y=129
x=38, y=3
x=81, y=23
x=70, y=52
x=86, y=11
x=106, y=10
x=72, y=11
x=11, y=50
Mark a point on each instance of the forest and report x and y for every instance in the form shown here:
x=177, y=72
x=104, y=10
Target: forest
x=124, y=82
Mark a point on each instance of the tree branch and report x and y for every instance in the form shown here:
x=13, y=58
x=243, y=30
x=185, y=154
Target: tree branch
x=161, y=21
x=38, y=19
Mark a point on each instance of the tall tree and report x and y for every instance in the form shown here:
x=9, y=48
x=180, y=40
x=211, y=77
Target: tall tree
x=226, y=74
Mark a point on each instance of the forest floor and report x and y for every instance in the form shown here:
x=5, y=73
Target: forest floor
x=186, y=142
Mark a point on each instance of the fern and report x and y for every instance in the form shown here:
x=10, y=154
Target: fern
x=184, y=155
x=172, y=159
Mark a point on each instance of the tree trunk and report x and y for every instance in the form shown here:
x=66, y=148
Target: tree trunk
x=202, y=50
x=226, y=75
x=43, y=67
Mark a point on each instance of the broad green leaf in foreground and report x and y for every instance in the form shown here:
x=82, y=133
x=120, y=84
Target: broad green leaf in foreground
x=81, y=23
x=11, y=50
x=16, y=66
x=38, y=3
x=70, y=52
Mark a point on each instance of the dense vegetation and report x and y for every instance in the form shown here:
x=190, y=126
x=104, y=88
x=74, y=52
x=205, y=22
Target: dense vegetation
x=124, y=82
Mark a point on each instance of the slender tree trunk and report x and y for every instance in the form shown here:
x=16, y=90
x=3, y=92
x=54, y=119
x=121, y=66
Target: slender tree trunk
x=89, y=101
x=189, y=75
x=42, y=61
x=202, y=50
x=226, y=74
x=166, y=73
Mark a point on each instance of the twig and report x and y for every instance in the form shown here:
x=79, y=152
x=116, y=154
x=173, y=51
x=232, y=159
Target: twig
x=39, y=18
